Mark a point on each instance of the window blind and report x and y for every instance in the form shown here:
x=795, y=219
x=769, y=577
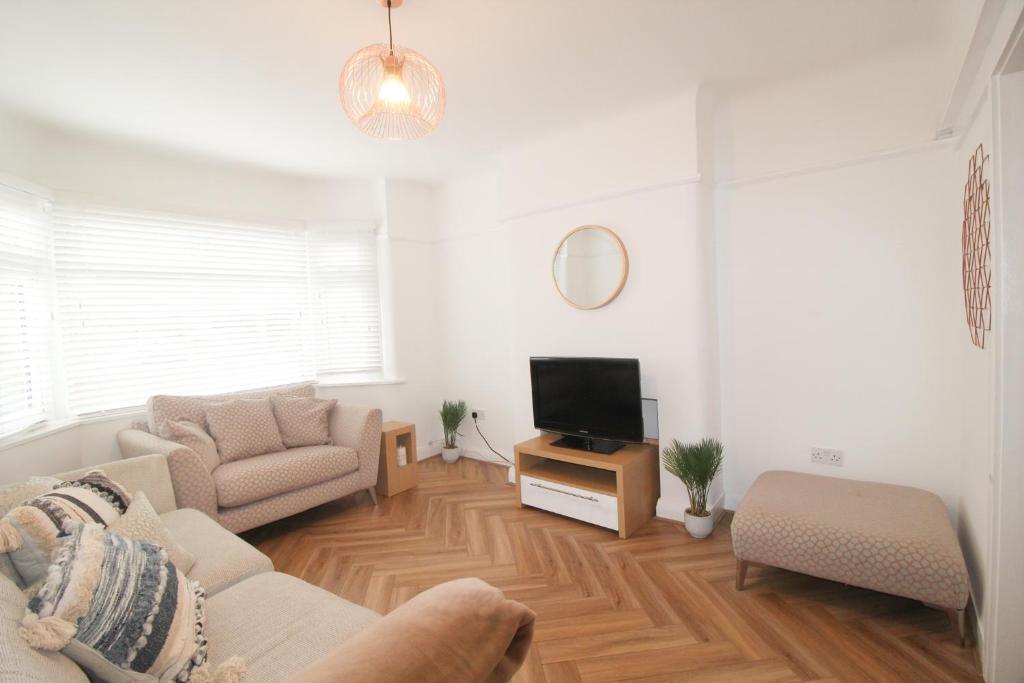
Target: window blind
x=152, y=304
x=25, y=272
x=343, y=268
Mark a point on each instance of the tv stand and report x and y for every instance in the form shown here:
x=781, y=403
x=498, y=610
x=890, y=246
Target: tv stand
x=617, y=491
x=586, y=443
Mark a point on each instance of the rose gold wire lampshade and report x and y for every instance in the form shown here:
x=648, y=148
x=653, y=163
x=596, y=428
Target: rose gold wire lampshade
x=392, y=93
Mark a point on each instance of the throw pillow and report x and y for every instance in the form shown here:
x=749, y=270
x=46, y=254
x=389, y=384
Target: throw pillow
x=303, y=421
x=29, y=531
x=243, y=428
x=192, y=435
x=13, y=495
x=142, y=522
x=120, y=609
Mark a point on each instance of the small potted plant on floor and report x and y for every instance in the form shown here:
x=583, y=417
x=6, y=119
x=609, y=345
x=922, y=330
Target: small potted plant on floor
x=452, y=415
x=696, y=465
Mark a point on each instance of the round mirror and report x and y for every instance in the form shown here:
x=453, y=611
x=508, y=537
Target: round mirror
x=590, y=266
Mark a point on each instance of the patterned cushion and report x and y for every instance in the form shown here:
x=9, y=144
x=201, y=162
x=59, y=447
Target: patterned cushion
x=893, y=539
x=243, y=428
x=141, y=522
x=29, y=532
x=263, y=476
x=303, y=421
x=160, y=409
x=193, y=436
x=119, y=607
x=10, y=496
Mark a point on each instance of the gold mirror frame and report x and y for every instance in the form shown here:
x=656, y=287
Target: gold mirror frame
x=622, y=278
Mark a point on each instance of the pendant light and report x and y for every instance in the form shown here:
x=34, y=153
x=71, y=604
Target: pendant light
x=392, y=92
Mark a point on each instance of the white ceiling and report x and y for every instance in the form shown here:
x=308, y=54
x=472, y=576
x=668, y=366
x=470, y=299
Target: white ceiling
x=256, y=80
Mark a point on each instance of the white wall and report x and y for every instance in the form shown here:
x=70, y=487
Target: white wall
x=975, y=368
x=635, y=172
x=836, y=115
x=79, y=168
x=840, y=318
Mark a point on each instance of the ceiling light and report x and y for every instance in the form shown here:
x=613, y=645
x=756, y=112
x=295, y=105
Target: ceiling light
x=392, y=92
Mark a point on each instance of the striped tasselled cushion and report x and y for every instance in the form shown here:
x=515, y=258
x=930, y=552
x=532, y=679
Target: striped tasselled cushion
x=29, y=531
x=120, y=609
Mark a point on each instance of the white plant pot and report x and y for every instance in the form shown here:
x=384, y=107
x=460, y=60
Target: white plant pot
x=699, y=527
x=450, y=455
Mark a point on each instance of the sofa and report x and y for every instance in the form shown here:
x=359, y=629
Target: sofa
x=287, y=629
x=250, y=492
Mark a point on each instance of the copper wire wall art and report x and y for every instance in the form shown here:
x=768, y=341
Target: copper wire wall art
x=977, y=249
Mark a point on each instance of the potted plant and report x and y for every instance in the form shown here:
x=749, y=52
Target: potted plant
x=452, y=415
x=696, y=465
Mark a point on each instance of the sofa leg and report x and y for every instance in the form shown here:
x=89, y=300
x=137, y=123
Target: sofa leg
x=373, y=494
x=958, y=618
x=741, y=573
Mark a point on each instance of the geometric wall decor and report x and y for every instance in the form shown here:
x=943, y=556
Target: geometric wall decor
x=977, y=249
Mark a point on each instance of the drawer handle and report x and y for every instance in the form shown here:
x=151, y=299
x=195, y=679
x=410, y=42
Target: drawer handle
x=567, y=493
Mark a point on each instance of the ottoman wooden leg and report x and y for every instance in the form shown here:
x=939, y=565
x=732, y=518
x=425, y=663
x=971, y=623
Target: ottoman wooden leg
x=373, y=494
x=741, y=573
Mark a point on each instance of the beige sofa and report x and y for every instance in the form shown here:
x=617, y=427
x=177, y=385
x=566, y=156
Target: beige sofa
x=251, y=492
x=282, y=625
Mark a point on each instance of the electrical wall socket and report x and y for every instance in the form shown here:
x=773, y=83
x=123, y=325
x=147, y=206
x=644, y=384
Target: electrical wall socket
x=479, y=414
x=826, y=456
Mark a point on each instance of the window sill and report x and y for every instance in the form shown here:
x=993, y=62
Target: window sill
x=357, y=380
x=52, y=427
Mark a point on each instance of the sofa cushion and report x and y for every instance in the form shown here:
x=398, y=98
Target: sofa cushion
x=262, y=476
x=143, y=523
x=113, y=603
x=221, y=558
x=161, y=408
x=192, y=435
x=243, y=428
x=303, y=421
x=18, y=661
x=279, y=625
x=149, y=473
x=29, y=531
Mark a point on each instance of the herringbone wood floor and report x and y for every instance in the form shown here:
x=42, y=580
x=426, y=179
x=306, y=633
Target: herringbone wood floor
x=658, y=606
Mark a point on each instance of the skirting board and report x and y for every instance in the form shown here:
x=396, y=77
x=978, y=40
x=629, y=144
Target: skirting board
x=675, y=509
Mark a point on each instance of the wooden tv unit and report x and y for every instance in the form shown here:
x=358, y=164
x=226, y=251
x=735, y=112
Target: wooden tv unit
x=617, y=491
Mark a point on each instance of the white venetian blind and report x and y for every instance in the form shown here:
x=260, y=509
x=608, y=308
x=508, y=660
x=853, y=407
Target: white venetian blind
x=343, y=267
x=25, y=271
x=153, y=304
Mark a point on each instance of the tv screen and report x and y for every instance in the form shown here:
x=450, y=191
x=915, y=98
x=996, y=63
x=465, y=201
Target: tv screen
x=588, y=397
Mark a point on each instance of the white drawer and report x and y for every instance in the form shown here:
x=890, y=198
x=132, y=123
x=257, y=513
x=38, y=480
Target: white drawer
x=581, y=504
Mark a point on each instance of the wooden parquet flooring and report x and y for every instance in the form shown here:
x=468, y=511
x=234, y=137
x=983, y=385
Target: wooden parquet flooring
x=658, y=606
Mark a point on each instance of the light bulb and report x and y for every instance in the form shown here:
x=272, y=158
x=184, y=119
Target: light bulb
x=393, y=91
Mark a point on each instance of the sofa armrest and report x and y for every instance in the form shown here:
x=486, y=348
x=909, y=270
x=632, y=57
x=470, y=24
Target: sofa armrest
x=463, y=630
x=359, y=427
x=192, y=482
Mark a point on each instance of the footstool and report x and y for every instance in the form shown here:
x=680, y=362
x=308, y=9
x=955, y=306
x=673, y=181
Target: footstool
x=893, y=539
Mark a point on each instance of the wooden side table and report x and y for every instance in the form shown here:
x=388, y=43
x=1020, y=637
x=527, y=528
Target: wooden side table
x=393, y=478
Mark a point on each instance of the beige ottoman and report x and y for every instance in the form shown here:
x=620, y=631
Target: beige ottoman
x=892, y=539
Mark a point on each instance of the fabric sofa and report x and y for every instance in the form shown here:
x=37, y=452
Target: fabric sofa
x=254, y=491
x=282, y=626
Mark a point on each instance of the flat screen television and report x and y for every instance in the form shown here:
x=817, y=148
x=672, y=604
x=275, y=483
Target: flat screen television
x=594, y=402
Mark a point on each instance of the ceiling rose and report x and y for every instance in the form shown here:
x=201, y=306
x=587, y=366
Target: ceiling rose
x=392, y=92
